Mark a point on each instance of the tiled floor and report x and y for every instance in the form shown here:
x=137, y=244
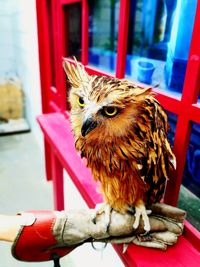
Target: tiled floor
x=23, y=187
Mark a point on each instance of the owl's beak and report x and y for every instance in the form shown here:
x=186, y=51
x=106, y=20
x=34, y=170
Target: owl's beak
x=88, y=126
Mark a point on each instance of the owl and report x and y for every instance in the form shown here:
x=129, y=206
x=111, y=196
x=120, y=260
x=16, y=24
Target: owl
x=121, y=130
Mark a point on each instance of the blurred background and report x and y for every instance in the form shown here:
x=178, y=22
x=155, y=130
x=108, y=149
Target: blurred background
x=20, y=99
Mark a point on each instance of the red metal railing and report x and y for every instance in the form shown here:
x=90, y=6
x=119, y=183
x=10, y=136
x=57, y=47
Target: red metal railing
x=124, y=13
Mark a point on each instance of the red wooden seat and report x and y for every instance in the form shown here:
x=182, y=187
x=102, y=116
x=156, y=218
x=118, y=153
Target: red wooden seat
x=58, y=135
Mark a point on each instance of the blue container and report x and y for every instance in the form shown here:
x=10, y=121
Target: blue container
x=145, y=71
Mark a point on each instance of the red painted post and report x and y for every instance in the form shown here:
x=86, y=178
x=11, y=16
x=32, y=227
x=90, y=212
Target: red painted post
x=44, y=52
x=84, y=32
x=59, y=46
x=45, y=68
x=122, y=37
x=181, y=142
x=58, y=186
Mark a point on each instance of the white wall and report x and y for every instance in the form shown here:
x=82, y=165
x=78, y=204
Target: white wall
x=6, y=39
x=19, y=53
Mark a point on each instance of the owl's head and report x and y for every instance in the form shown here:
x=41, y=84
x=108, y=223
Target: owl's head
x=101, y=107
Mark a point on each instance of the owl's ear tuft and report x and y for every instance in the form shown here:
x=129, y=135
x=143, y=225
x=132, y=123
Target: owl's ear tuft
x=76, y=74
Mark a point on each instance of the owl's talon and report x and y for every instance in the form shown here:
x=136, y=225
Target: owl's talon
x=140, y=211
x=125, y=247
x=102, y=208
x=146, y=233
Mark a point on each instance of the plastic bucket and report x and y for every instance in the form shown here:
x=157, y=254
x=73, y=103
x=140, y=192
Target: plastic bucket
x=145, y=71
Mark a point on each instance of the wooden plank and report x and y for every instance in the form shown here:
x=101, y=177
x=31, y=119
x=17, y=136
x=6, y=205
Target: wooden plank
x=57, y=132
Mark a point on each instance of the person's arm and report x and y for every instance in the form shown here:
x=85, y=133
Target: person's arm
x=9, y=227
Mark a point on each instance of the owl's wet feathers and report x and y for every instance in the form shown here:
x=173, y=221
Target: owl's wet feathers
x=128, y=153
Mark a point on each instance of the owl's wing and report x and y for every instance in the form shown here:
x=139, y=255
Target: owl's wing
x=158, y=160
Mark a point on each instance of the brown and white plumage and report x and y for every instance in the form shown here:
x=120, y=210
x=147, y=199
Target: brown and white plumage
x=121, y=129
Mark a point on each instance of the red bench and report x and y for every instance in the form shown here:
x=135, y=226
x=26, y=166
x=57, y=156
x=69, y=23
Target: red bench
x=57, y=133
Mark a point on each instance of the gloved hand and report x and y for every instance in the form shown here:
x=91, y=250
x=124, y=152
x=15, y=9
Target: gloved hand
x=47, y=235
x=166, y=225
x=75, y=227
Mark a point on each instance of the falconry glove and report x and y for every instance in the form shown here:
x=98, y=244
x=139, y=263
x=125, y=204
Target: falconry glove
x=49, y=235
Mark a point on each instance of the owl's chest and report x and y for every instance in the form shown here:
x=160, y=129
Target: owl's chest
x=109, y=160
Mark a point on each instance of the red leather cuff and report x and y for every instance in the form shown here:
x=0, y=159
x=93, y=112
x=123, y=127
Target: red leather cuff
x=36, y=242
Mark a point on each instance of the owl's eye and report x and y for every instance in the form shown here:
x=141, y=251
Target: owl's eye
x=110, y=111
x=80, y=102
